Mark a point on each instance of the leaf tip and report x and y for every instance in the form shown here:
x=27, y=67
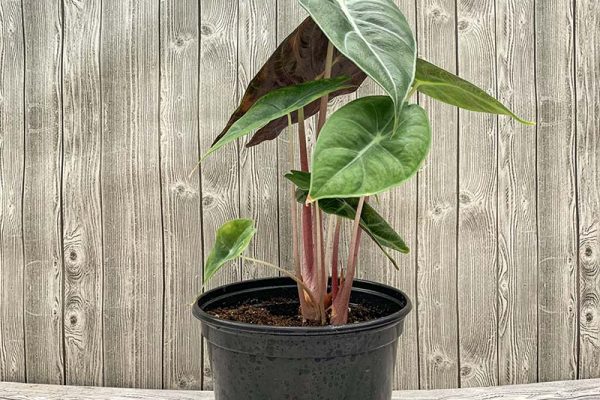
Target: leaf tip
x=525, y=122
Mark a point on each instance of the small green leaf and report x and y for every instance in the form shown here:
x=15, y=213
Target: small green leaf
x=444, y=86
x=370, y=221
x=299, y=178
x=233, y=238
x=375, y=35
x=358, y=153
x=276, y=104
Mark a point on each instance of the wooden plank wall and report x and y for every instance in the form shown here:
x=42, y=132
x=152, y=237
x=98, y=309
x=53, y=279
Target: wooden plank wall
x=106, y=105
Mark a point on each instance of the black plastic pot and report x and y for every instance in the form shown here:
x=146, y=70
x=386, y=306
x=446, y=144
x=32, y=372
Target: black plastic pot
x=256, y=362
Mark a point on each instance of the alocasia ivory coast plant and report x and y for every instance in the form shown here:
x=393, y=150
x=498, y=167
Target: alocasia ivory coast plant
x=366, y=147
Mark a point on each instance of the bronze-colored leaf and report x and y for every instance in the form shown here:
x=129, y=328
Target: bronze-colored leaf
x=299, y=58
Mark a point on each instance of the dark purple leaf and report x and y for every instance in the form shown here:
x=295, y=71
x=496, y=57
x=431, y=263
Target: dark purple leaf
x=299, y=58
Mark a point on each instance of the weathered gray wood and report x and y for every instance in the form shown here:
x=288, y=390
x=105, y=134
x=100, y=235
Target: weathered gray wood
x=477, y=205
x=218, y=98
x=557, y=227
x=517, y=227
x=437, y=213
x=42, y=222
x=131, y=204
x=588, y=162
x=12, y=155
x=257, y=39
x=82, y=230
x=569, y=390
x=182, y=219
x=289, y=15
x=399, y=208
x=121, y=158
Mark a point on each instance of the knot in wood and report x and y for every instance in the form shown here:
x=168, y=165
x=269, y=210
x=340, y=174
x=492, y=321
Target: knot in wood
x=206, y=30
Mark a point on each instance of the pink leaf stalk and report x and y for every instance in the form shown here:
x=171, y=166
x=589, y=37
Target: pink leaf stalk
x=308, y=272
x=295, y=249
x=335, y=254
x=320, y=270
x=339, y=309
x=325, y=99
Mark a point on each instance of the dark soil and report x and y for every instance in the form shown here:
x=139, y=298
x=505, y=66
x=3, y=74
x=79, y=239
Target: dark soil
x=284, y=311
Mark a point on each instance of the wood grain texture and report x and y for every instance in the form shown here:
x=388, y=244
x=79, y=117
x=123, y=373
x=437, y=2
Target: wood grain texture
x=557, y=227
x=399, y=208
x=517, y=203
x=106, y=105
x=257, y=39
x=181, y=196
x=517, y=227
x=289, y=15
x=131, y=194
x=82, y=219
x=570, y=390
x=12, y=156
x=42, y=222
x=437, y=212
x=477, y=205
x=218, y=99
x=588, y=162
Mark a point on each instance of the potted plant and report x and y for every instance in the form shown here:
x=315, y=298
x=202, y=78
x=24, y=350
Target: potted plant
x=318, y=333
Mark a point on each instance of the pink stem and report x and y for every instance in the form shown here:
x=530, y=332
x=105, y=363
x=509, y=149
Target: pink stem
x=303, y=147
x=307, y=217
x=325, y=99
x=335, y=254
x=293, y=211
x=321, y=280
x=308, y=266
x=339, y=310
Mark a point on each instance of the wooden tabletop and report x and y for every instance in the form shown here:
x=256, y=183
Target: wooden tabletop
x=579, y=390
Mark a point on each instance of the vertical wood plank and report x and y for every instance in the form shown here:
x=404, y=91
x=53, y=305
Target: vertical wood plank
x=131, y=204
x=12, y=156
x=257, y=38
x=517, y=226
x=82, y=232
x=218, y=99
x=42, y=228
x=182, y=219
x=477, y=229
x=289, y=15
x=588, y=162
x=557, y=262
x=437, y=213
x=399, y=208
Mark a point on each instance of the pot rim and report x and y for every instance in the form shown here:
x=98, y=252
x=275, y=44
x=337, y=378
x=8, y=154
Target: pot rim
x=374, y=288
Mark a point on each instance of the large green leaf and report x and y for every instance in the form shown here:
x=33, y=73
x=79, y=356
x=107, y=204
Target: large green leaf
x=276, y=104
x=358, y=153
x=375, y=35
x=233, y=238
x=370, y=221
x=446, y=87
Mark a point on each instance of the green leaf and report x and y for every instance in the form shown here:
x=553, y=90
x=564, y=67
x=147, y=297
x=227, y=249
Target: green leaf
x=276, y=104
x=359, y=154
x=370, y=221
x=444, y=86
x=233, y=238
x=300, y=179
x=301, y=57
x=375, y=35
